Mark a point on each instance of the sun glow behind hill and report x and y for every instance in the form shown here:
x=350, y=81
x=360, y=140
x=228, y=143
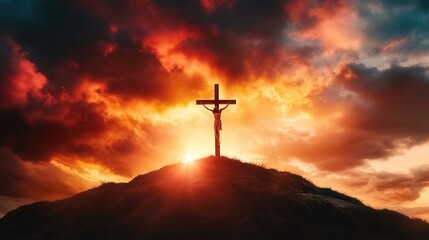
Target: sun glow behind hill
x=188, y=157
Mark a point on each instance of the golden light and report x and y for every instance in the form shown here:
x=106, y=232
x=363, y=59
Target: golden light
x=188, y=157
x=88, y=172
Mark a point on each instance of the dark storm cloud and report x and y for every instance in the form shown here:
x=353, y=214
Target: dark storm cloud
x=21, y=181
x=392, y=101
x=102, y=41
x=54, y=33
x=237, y=39
x=386, y=112
x=76, y=130
x=65, y=41
x=389, y=21
x=40, y=138
x=241, y=38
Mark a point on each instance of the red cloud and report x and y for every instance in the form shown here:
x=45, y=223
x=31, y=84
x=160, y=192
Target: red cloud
x=19, y=78
x=211, y=5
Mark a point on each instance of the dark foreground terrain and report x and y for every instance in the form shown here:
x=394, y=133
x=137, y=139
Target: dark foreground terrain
x=209, y=199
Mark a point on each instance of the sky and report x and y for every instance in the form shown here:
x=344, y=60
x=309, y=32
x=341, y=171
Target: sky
x=95, y=91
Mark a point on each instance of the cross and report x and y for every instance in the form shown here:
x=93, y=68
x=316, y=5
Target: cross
x=216, y=113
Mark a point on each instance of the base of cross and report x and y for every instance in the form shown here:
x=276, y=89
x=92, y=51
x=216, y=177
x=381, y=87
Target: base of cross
x=217, y=143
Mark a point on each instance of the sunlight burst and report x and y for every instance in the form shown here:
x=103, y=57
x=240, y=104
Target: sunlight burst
x=188, y=157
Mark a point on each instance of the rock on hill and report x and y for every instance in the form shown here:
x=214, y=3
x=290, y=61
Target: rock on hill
x=209, y=199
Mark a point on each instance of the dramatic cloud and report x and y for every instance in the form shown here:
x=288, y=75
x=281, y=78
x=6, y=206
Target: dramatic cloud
x=397, y=187
x=372, y=114
x=21, y=179
x=19, y=79
x=390, y=102
x=396, y=26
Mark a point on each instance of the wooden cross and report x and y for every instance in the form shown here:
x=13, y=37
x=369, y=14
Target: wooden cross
x=217, y=114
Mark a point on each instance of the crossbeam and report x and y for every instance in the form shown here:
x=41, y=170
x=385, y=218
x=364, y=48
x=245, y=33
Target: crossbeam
x=212, y=102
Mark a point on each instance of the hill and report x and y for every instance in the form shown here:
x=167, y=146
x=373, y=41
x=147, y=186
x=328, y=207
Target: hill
x=209, y=199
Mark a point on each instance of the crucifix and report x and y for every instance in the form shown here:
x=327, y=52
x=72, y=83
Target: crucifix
x=216, y=113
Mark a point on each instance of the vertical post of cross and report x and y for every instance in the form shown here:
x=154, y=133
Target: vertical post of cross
x=217, y=133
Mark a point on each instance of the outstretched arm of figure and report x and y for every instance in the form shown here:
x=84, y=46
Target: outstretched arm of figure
x=207, y=108
x=224, y=107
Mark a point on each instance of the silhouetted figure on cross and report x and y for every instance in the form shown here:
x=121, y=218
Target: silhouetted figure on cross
x=217, y=115
x=217, y=122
